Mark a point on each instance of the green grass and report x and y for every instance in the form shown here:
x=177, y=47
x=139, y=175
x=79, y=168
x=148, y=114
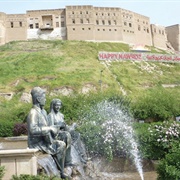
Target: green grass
x=54, y=64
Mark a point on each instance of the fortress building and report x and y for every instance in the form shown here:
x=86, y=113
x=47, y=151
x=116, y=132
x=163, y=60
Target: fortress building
x=85, y=23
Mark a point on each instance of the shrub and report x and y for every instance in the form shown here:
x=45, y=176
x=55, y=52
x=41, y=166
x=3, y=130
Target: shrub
x=157, y=139
x=33, y=177
x=6, y=129
x=2, y=171
x=157, y=104
x=20, y=129
x=169, y=167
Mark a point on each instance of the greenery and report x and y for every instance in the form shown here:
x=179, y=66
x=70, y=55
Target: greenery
x=158, y=104
x=33, y=177
x=2, y=171
x=169, y=167
x=149, y=91
x=157, y=139
x=74, y=64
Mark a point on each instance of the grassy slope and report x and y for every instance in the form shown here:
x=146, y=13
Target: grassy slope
x=54, y=64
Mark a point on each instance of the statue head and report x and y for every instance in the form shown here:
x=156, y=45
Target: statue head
x=55, y=106
x=38, y=96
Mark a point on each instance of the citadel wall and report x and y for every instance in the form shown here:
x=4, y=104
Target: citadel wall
x=86, y=23
x=173, y=35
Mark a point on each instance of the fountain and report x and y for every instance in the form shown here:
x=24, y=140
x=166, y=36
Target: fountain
x=117, y=133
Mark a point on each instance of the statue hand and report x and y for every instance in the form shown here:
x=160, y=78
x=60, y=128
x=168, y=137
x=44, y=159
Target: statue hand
x=54, y=130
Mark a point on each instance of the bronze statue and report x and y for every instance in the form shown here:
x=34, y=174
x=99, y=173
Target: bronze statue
x=66, y=133
x=56, y=119
x=41, y=135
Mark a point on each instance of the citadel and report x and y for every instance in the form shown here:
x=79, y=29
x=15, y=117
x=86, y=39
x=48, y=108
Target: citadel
x=88, y=23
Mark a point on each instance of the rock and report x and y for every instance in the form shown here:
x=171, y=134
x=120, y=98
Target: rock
x=25, y=97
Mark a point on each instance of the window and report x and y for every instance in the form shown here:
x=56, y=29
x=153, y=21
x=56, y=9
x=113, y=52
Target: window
x=125, y=23
x=139, y=27
x=62, y=24
x=87, y=20
x=109, y=29
x=73, y=21
x=83, y=29
x=72, y=12
x=115, y=22
x=80, y=12
x=103, y=29
x=103, y=22
x=57, y=24
x=81, y=21
x=115, y=29
x=37, y=25
x=97, y=22
x=98, y=29
x=89, y=28
x=130, y=25
x=20, y=24
x=147, y=30
x=86, y=12
x=109, y=22
x=12, y=24
x=73, y=29
x=31, y=26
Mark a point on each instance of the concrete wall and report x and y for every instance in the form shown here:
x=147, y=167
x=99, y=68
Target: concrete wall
x=18, y=161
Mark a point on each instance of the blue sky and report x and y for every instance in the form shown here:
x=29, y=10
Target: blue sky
x=162, y=12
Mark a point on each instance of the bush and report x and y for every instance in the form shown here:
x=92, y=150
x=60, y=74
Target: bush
x=6, y=129
x=157, y=104
x=33, y=177
x=169, y=167
x=20, y=129
x=157, y=139
x=2, y=171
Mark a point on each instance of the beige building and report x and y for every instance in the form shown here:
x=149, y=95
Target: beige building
x=173, y=36
x=82, y=23
x=159, y=37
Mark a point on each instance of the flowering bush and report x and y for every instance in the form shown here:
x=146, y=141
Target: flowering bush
x=163, y=136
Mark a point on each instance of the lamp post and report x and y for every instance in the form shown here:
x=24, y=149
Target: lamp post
x=100, y=81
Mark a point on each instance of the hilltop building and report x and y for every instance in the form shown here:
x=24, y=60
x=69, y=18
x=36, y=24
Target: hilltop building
x=84, y=23
x=173, y=35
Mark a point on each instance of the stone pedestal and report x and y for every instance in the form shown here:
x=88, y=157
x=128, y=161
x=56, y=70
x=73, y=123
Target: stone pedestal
x=18, y=161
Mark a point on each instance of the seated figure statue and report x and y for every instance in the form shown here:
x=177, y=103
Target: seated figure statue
x=41, y=135
x=66, y=133
x=56, y=120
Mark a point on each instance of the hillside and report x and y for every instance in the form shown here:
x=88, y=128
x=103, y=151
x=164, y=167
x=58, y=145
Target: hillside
x=75, y=64
x=72, y=67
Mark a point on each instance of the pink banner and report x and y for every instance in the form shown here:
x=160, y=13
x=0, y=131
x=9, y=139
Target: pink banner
x=137, y=56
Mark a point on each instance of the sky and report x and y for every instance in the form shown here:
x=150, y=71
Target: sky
x=161, y=12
